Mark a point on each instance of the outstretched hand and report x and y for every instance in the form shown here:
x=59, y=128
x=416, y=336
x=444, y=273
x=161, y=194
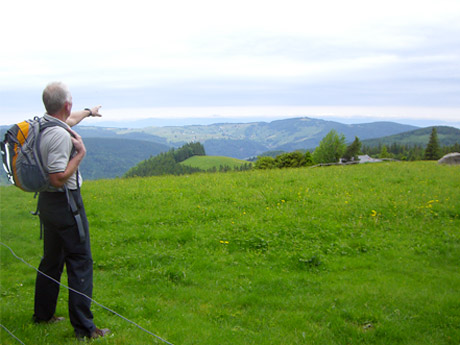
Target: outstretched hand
x=95, y=111
x=77, y=116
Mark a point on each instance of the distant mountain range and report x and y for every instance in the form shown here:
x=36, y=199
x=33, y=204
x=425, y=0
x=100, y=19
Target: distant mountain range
x=112, y=151
x=244, y=140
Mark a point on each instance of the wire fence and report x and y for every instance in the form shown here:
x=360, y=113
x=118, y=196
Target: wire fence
x=12, y=335
x=82, y=294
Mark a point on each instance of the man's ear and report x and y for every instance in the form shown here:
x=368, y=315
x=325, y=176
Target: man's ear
x=68, y=107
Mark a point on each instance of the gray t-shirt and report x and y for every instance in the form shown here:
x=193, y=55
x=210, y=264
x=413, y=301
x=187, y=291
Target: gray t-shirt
x=56, y=148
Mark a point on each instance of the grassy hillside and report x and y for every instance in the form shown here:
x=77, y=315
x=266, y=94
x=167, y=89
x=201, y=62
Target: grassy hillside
x=209, y=162
x=363, y=254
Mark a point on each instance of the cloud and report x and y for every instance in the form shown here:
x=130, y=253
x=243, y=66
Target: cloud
x=239, y=53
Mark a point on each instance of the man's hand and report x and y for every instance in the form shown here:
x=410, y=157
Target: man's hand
x=95, y=111
x=59, y=179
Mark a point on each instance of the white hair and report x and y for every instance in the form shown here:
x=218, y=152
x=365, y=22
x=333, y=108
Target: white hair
x=55, y=95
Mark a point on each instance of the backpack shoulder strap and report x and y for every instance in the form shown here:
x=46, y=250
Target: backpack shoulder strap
x=76, y=214
x=44, y=124
x=47, y=124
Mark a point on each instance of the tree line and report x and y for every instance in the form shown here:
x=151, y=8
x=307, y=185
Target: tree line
x=333, y=149
x=407, y=152
x=227, y=168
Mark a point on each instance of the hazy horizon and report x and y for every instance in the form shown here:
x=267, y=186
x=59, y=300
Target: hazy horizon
x=400, y=59
x=155, y=121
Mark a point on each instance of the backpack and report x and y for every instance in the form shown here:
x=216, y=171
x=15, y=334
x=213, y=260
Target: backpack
x=23, y=162
x=21, y=156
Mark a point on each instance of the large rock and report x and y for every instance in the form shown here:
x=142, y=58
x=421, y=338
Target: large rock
x=450, y=158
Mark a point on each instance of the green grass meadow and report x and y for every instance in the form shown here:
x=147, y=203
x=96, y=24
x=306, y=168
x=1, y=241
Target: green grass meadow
x=209, y=162
x=361, y=254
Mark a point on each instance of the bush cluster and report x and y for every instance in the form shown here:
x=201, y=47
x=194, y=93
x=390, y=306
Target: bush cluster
x=295, y=159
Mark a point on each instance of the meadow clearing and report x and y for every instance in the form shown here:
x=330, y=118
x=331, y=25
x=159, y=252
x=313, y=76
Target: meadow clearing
x=362, y=254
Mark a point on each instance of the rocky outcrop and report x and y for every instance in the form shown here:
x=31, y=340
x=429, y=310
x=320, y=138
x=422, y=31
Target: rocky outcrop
x=450, y=158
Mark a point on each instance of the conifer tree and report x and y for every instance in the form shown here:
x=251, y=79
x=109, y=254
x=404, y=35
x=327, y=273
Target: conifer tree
x=353, y=150
x=432, y=151
x=384, y=152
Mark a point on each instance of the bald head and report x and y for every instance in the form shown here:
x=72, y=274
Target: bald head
x=55, y=96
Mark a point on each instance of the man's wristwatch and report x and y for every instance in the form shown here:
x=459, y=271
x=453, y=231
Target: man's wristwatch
x=90, y=112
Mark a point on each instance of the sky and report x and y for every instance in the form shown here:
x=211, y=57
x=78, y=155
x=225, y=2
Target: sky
x=355, y=60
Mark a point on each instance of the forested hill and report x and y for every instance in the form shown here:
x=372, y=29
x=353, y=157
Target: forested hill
x=109, y=157
x=447, y=136
x=168, y=163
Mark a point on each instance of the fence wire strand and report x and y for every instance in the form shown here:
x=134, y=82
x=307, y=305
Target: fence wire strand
x=82, y=294
x=11, y=333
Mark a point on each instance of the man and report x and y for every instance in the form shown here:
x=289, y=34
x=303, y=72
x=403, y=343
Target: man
x=66, y=231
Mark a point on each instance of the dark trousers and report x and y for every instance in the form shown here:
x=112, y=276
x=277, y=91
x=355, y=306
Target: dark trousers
x=62, y=245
